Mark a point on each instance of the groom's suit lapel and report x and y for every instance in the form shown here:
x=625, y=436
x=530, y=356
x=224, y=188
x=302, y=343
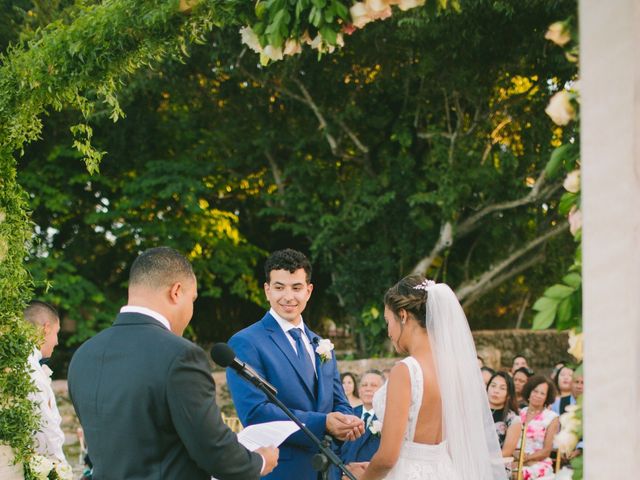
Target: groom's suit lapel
x=324, y=388
x=278, y=337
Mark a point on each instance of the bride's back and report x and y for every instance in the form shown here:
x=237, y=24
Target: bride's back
x=429, y=421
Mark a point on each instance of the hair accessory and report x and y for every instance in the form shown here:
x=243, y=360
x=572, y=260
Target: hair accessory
x=425, y=284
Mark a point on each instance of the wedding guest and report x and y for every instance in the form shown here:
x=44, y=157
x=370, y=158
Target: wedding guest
x=520, y=378
x=487, y=373
x=502, y=400
x=518, y=362
x=555, y=370
x=350, y=385
x=562, y=382
x=145, y=396
x=577, y=386
x=49, y=437
x=362, y=449
x=541, y=426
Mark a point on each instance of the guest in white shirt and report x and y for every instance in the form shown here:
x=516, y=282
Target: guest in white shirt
x=49, y=438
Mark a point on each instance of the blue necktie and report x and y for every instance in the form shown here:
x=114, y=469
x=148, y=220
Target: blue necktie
x=303, y=355
x=366, y=418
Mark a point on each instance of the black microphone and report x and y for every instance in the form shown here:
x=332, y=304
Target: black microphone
x=223, y=355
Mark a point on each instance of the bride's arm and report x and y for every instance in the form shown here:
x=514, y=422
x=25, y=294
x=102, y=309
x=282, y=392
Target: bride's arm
x=395, y=423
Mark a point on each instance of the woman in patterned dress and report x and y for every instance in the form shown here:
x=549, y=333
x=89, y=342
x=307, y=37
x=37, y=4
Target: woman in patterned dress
x=541, y=426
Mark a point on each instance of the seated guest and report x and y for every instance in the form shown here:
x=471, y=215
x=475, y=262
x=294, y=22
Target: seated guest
x=562, y=381
x=518, y=361
x=556, y=369
x=363, y=448
x=520, y=378
x=577, y=386
x=49, y=437
x=487, y=373
x=350, y=386
x=541, y=426
x=502, y=400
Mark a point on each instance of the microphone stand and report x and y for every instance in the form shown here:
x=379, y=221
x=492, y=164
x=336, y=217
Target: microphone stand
x=321, y=460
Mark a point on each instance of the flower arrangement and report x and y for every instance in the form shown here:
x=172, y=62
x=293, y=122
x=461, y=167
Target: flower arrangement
x=282, y=27
x=42, y=468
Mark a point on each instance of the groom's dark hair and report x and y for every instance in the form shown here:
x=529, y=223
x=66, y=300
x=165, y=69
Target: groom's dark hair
x=289, y=260
x=159, y=267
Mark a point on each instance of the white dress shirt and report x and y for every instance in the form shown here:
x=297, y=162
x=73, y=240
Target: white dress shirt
x=286, y=326
x=148, y=312
x=49, y=438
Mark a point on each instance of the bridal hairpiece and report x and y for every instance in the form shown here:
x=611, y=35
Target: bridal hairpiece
x=425, y=284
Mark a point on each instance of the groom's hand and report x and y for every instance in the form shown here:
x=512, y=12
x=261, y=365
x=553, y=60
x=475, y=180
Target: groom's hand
x=344, y=427
x=270, y=456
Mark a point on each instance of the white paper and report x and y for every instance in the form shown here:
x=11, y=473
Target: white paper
x=266, y=434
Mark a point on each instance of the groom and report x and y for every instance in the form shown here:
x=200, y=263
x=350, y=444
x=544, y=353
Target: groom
x=282, y=349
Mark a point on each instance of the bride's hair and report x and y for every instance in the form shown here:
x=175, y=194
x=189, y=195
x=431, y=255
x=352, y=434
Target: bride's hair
x=405, y=295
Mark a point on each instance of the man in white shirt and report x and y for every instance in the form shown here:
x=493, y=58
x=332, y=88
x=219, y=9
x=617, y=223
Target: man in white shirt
x=49, y=438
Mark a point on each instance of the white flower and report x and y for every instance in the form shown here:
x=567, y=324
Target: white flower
x=41, y=466
x=575, y=221
x=569, y=422
x=273, y=53
x=292, y=47
x=564, y=474
x=576, y=342
x=572, y=182
x=324, y=349
x=558, y=33
x=250, y=39
x=560, y=109
x=408, y=4
x=566, y=441
x=360, y=15
x=64, y=471
x=376, y=427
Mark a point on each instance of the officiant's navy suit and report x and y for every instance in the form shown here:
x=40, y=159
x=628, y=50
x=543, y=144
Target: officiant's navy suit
x=146, y=400
x=265, y=347
x=360, y=450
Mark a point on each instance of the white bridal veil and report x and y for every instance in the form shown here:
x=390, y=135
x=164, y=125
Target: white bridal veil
x=467, y=421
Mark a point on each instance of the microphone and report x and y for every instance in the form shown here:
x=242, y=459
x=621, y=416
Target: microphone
x=223, y=355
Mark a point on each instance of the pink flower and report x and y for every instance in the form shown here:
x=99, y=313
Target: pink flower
x=349, y=28
x=575, y=220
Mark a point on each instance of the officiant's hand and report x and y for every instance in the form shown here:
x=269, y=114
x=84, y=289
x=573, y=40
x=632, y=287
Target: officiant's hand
x=344, y=427
x=270, y=455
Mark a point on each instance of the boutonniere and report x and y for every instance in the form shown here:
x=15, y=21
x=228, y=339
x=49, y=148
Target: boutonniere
x=376, y=427
x=324, y=349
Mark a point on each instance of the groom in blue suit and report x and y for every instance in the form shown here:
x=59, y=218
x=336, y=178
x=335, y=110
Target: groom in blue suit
x=283, y=350
x=365, y=447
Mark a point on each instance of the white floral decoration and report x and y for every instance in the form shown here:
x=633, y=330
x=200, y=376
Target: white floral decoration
x=324, y=349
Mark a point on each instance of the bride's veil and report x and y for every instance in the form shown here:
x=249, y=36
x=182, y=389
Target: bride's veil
x=467, y=421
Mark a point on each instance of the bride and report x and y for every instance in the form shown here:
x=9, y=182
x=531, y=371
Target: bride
x=436, y=421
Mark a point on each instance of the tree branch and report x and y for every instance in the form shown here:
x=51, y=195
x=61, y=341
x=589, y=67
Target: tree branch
x=482, y=281
x=444, y=240
x=500, y=279
x=276, y=172
x=316, y=111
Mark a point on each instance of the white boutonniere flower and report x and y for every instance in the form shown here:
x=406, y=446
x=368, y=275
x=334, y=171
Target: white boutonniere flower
x=376, y=427
x=324, y=349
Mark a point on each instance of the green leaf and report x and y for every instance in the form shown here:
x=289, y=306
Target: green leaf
x=567, y=201
x=564, y=312
x=563, y=155
x=574, y=280
x=558, y=291
x=545, y=303
x=544, y=319
x=328, y=34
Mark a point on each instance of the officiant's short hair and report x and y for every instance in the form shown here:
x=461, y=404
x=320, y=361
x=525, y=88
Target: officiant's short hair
x=39, y=312
x=159, y=267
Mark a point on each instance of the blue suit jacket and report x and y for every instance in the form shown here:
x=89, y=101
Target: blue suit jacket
x=360, y=450
x=265, y=347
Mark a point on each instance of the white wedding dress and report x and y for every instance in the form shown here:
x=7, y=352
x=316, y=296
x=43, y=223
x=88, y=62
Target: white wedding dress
x=417, y=461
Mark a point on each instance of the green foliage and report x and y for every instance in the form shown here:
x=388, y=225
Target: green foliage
x=17, y=419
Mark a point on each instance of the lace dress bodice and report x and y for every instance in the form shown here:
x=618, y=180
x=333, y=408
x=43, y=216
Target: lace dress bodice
x=380, y=397
x=417, y=461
